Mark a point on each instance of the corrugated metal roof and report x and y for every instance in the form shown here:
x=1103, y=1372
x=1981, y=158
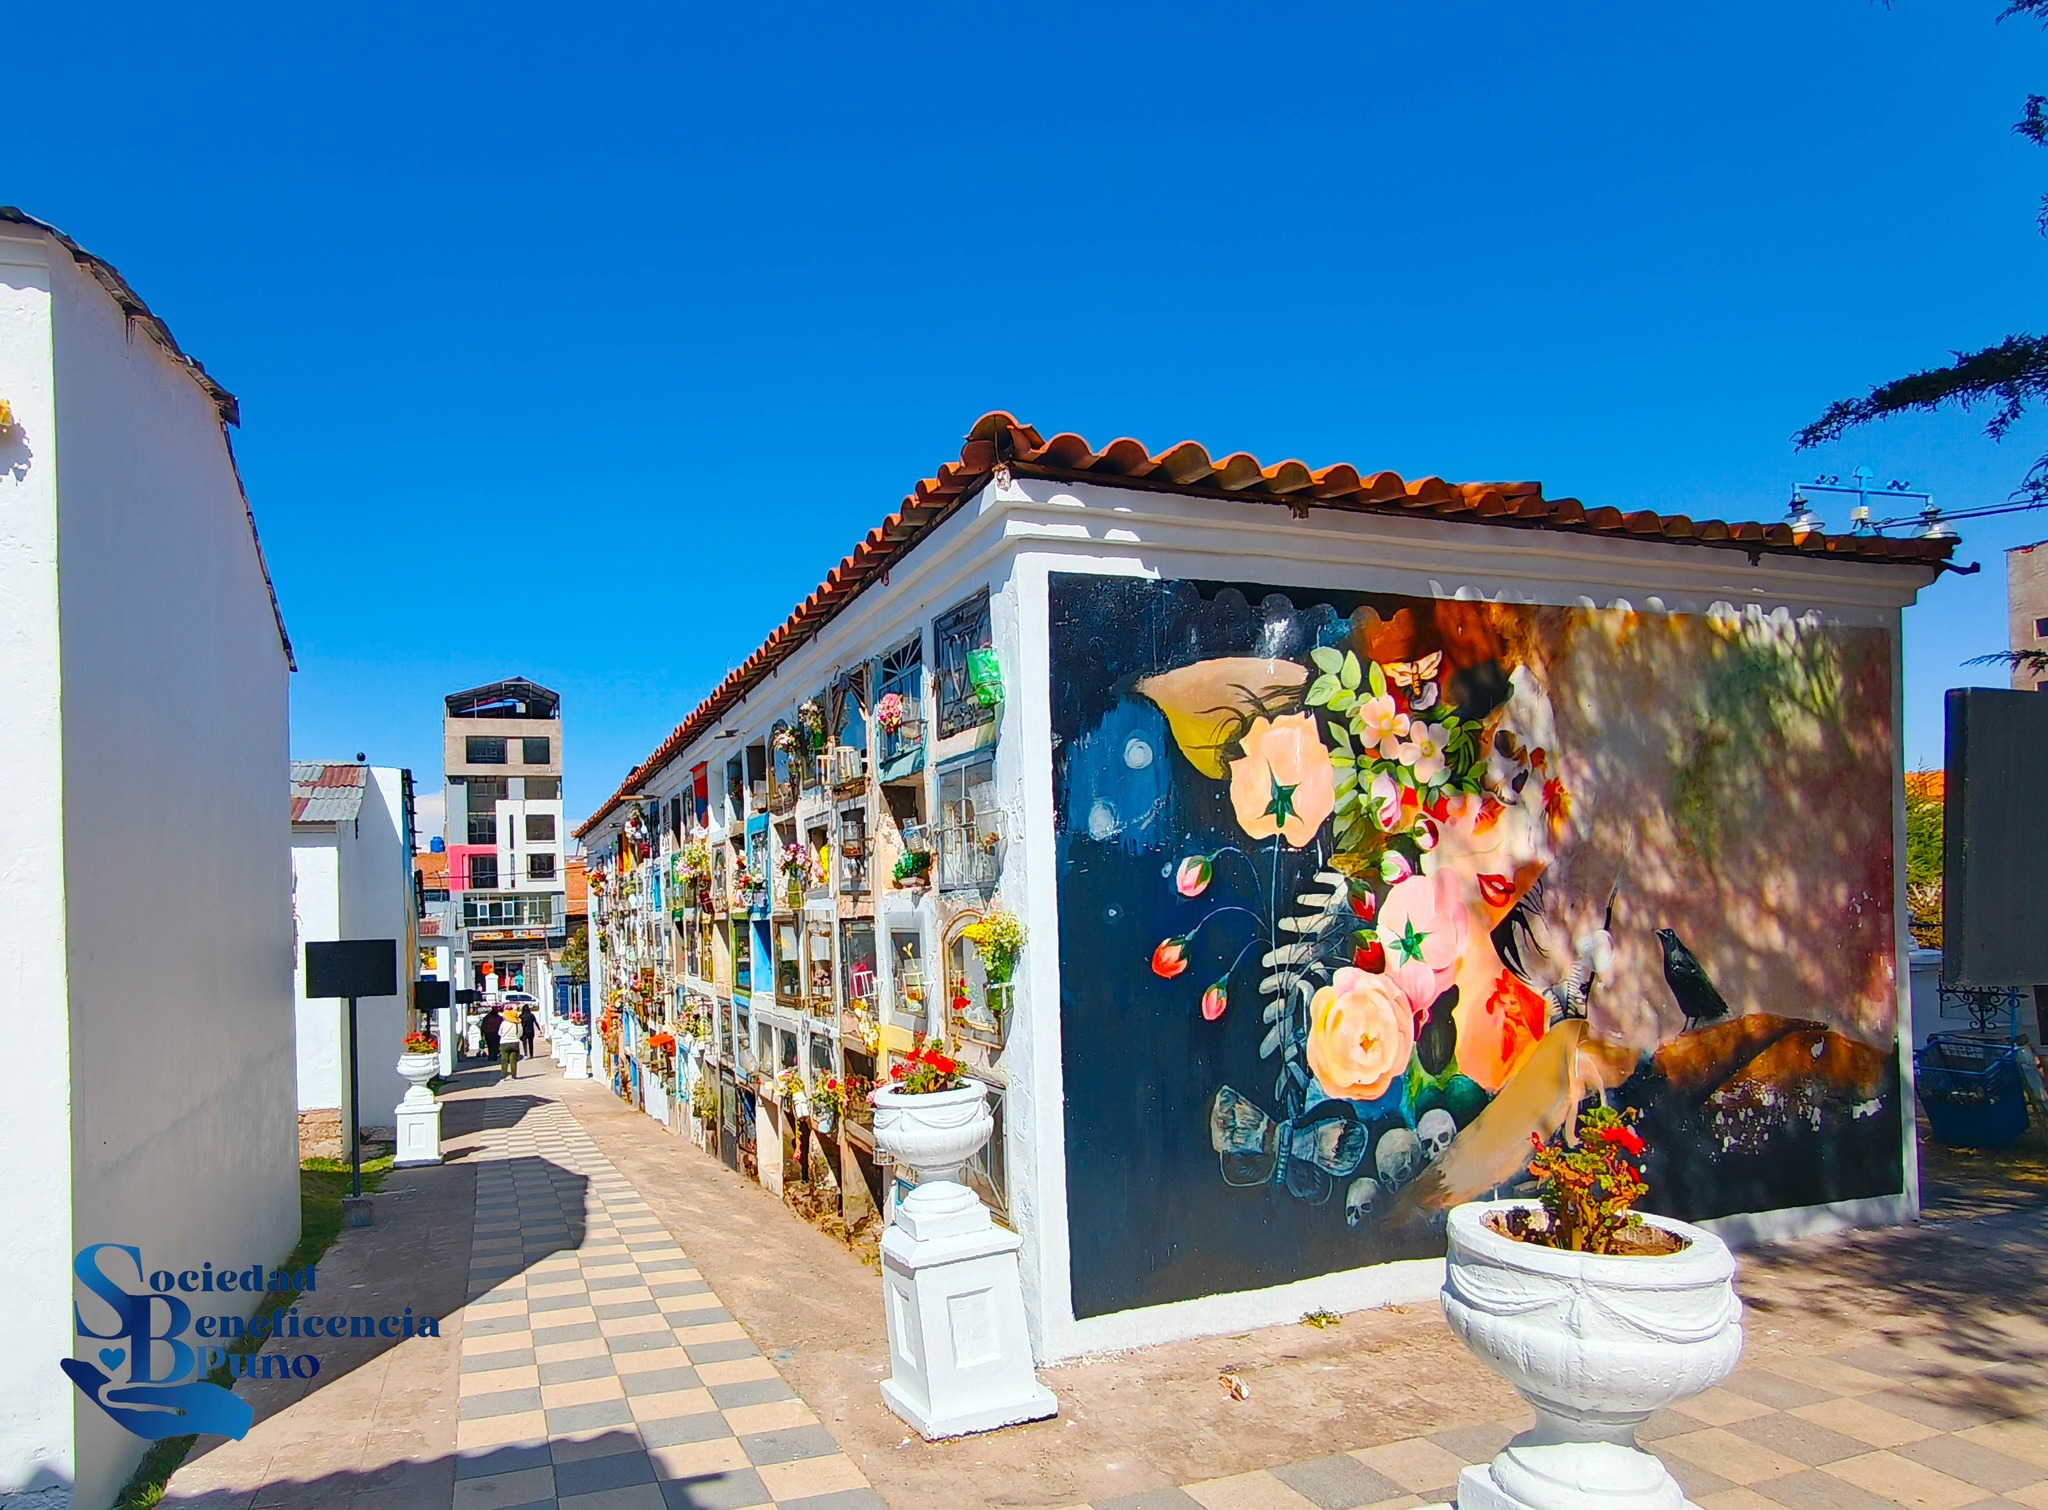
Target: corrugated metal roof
x=325, y=791
x=1188, y=468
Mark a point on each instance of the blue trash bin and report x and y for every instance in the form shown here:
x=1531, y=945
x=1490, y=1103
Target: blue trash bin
x=1971, y=1090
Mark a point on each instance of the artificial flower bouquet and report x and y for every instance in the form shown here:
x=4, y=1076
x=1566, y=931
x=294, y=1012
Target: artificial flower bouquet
x=926, y=1070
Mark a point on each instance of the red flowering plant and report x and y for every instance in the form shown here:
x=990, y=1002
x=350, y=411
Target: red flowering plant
x=926, y=1070
x=1589, y=1192
x=422, y=1043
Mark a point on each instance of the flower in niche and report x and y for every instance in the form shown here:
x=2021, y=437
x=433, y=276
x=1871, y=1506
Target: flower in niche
x=1422, y=927
x=1284, y=783
x=1361, y=1034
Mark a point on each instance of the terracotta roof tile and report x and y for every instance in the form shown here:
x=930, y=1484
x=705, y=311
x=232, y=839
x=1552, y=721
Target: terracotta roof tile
x=1189, y=468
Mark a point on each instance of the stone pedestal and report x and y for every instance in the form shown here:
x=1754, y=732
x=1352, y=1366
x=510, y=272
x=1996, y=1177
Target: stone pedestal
x=575, y=1054
x=419, y=1113
x=960, y=1359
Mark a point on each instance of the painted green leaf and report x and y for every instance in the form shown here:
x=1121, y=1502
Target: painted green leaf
x=1327, y=658
x=1351, y=674
x=1376, y=679
x=1321, y=690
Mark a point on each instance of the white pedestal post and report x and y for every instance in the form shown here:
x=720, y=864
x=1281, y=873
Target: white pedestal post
x=960, y=1359
x=418, y=1114
x=575, y=1053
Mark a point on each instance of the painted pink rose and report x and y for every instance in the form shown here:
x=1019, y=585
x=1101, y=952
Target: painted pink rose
x=1361, y=1034
x=1423, y=929
x=1284, y=783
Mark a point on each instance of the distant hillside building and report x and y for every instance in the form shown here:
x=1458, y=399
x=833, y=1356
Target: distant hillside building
x=506, y=880
x=2026, y=609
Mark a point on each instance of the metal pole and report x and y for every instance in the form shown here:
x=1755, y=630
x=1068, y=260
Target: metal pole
x=355, y=1128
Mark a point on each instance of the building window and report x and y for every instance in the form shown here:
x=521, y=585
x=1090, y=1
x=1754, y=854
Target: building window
x=540, y=867
x=954, y=634
x=901, y=750
x=970, y=827
x=484, y=749
x=483, y=828
x=536, y=750
x=483, y=872
x=2041, y=629
x=540, y=828
x=543, y=789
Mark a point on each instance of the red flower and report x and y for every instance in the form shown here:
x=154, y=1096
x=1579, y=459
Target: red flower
x=947, y=1066
x=1371, y=958
x=1170, y=958
x=1627, y=1137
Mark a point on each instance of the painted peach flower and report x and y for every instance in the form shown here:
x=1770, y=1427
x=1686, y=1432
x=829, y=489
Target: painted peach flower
x=1361, y=1034
x=1422, y=926
x=1170, y=958
x=1427, y=741
x=1284, y=783
x=1381, y=724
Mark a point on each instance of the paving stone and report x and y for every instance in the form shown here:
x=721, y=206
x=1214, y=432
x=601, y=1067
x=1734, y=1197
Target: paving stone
x=677, y=1431
x=1338, y=1482
x=788, y=1444
x=750, y=1392
x=733, y=1489
x=614, y=1471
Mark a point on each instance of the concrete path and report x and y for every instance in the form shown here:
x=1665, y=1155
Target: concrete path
x=582, y=1360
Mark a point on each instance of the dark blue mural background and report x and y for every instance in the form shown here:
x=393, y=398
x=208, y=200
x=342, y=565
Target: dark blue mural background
x=1150, y=1219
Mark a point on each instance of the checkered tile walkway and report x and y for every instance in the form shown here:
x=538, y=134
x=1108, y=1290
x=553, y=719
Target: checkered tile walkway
x=599, y=1371
x=1869, y=1428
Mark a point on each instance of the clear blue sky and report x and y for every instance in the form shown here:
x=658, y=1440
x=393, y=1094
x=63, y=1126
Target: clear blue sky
x=529, y=307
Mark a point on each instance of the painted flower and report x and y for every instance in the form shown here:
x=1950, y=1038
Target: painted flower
x=1284, y=783
x=1630, y=1140
x=1170, y=958
x=1192, y=876
x=1427, y=742
x=1214, y=1000
x=1385, y=795
x=1381, y=723
x=1371, y=957
x=1361, y=1034
x=1395, y=867
x=1422, y=926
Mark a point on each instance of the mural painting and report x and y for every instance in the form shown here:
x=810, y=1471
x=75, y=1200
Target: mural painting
x=1361, y=893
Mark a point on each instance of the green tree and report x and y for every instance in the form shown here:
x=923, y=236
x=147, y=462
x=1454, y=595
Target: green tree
x=576, y=956
x=2007, y=376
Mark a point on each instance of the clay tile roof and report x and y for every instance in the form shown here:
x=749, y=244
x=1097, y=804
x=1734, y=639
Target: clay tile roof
x=326, y=791
x=1190, y=469
x=432, y=864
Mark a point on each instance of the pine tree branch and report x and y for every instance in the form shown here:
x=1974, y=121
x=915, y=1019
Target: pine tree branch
x=2033, y=661
x=2010, y=373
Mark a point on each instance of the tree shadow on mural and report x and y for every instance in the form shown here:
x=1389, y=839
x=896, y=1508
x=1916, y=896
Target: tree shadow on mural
x=1380, y=889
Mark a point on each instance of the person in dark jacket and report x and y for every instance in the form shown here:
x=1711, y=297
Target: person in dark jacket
x=491, y=1029
x=529, y=1027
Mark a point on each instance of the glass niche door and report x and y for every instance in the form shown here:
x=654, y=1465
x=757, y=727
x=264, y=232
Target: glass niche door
x=908, y=976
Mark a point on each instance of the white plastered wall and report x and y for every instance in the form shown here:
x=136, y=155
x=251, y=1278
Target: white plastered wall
x=376, y=903
x=177, y=872
x=316, y=916
x=35, y=1111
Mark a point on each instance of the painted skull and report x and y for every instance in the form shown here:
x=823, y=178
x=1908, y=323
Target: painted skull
x=1358, y=1199
x=1398, y=1157
x=1436, y=1127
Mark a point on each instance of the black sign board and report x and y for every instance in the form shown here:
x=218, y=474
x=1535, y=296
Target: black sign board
x=1995, y=831
x=465, y=998
x=430, y=995
x=352, y=967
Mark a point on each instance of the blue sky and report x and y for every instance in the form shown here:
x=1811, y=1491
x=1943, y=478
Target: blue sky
x=529, y=308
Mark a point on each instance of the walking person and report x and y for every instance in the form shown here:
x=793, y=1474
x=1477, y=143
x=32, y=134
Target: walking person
x=508, y=1049
x=529, y=1028
x=491, y=1029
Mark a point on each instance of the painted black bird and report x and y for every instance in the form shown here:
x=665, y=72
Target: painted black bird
x=1697, y=998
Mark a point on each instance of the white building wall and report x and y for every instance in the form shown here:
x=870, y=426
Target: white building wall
x=35, y=1109
x=176, y=835
x=376, y=903
x=316, y=915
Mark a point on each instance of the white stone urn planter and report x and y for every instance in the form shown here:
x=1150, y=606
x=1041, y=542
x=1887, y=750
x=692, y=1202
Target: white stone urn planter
x=575, y=1052
x=418, y=1114
x=959, y=1354
x=1595, y=1343
x=933, y=1134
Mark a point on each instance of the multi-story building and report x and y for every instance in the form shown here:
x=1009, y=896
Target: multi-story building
x=506, y=881
x=2026, y=610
